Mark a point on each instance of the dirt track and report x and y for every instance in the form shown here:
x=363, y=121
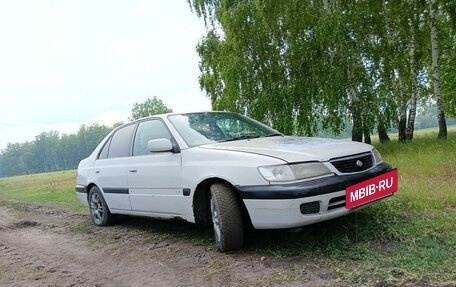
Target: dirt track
x=46, y=246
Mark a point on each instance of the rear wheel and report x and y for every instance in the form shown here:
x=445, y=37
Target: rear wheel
x=226, y=218
x=99, y=211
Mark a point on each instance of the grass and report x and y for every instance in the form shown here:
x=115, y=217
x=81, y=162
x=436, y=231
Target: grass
x=54, y=188
x=409, y=239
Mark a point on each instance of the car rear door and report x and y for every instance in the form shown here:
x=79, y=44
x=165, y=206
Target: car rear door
x=111, y=168
x=155, y=178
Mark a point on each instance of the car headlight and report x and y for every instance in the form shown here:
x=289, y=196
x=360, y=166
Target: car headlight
x=377, y=156
x=289, y=172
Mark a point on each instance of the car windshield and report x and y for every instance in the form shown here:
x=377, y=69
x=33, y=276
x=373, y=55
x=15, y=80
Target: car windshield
x=203, y=128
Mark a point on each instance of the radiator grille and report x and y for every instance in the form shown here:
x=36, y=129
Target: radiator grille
x=354, y=163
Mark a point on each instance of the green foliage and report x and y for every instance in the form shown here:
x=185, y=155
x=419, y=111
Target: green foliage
x=302, y=65
x=448, y=46
x=149, y=107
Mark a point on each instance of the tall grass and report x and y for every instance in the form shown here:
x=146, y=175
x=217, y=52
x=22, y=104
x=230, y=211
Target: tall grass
x=427, y=169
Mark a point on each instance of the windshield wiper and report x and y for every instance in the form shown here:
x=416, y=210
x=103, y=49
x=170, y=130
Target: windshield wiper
x=244, y=137
x=273, y=135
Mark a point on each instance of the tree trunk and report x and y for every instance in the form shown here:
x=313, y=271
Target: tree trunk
x=411, y=118
x=402, y=122
x=436, y=73
x=357, y=130
x=383, y=133
x=414, y=86
x=367, y=135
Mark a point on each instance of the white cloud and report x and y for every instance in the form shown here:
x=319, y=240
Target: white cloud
x=112, y=117
x=128, y=54
x=67, y=63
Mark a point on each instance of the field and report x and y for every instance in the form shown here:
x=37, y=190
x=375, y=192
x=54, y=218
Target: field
x=407, y=240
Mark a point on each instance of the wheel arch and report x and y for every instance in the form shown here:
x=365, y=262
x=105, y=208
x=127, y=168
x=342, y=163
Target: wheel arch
x=89, y=187
x=201, y=199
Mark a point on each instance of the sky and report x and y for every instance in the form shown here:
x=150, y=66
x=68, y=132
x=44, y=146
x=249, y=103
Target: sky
x=67, y=63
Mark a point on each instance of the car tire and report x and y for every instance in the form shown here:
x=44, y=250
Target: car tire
x=226, y=218
x=99, y=211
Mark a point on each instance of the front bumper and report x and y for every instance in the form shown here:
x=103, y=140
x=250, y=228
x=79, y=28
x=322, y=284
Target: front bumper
x=280, y=206
x=309, y=188
x=285, y=213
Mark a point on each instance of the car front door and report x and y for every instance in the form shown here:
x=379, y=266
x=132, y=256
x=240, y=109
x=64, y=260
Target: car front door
x=155, y=178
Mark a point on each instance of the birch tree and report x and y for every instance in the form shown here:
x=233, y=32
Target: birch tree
x=303, y=66
x=436, y=78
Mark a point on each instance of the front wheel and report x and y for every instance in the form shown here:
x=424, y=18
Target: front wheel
x=99, y=211
x=226, y=218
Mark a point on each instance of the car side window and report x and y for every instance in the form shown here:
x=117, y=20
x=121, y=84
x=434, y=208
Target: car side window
x=104, y=151
x=149, y=130
x=121, y=142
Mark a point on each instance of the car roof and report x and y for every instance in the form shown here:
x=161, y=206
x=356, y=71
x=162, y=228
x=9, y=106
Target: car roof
x=169, y=114
x=185, y=113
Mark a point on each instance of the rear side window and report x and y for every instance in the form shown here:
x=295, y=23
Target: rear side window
x=121, y=142
x=149, y=130
x=104, y=151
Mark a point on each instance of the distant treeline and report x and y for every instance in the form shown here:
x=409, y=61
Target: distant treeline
x=51, y=151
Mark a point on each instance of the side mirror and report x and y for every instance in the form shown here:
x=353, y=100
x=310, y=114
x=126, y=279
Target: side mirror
x=160, y=145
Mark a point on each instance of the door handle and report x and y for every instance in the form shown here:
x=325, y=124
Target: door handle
x=132, y=171
x=97, y=171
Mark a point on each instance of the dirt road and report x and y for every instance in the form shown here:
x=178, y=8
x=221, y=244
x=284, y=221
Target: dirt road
x=47, y=246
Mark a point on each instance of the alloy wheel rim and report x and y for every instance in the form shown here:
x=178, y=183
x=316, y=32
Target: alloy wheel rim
x=215, y=220
x=97, y=208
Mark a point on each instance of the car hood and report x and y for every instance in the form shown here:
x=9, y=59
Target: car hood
x=294, y=149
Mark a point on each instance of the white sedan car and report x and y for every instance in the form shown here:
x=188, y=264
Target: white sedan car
x=222, y=169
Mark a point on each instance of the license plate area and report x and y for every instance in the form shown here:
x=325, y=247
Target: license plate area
x=372, y=189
